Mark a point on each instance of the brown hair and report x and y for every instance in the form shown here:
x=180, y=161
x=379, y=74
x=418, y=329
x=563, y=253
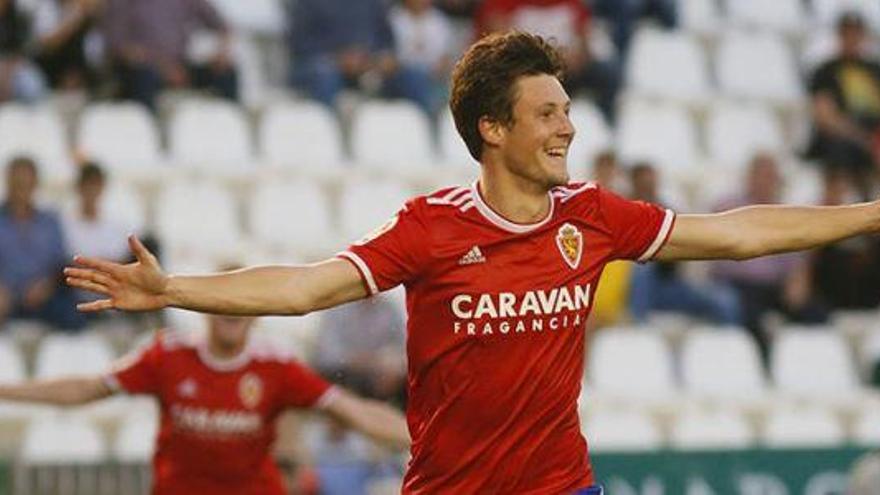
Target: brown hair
x=483, y=80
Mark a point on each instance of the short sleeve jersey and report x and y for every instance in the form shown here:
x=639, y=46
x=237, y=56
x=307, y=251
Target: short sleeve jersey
x=495, y=330
x=217, y=418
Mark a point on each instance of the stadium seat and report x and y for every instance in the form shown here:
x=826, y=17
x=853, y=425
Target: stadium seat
x=783, y=16
x=736, y=131
x=659, y=132
x=699, y=16
x=454, y=151
x=716, y=430
x=592, y=137
x=813, y=363
x=62, y=439
x=12, y=368
x=668, y=64
x=722, y=364
x=37, y=132
x=787, y=427
x=63, y=355
x=224, y=147
x=631, y=365
x=366, y=205
x=757, y=66
x=255, y=16
x=303, y=135
x=392, y=136
x=122, y=137
x=292, y=215
x=621, y=431
x=198, y=217
x=866, y=429
x=120, y=203
x=136, y=437
x=826, y=12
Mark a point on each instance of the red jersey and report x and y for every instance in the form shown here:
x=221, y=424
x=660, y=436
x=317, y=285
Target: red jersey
x=217, y=421
x=495, y=334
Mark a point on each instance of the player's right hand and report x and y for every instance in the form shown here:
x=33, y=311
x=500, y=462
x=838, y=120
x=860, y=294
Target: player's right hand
x=138, y=286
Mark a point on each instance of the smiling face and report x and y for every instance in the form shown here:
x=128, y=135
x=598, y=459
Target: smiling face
x=534, y=146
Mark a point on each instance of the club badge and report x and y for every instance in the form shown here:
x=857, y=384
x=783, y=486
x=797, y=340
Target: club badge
x=250, y=390
x=570, y=242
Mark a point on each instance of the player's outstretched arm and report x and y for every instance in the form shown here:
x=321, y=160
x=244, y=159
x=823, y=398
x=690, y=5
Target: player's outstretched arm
x=761, y=230
x=69, y=391
x=374, y=419
x=281, y=290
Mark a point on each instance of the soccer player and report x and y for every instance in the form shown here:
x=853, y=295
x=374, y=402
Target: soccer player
x=500, y=277
x=219, y=399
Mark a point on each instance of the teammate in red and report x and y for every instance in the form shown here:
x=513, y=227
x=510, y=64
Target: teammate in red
x=500, y=277
x=219, y=399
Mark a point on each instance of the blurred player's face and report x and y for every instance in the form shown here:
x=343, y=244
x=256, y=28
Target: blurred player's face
x=535, y=146
x=228, y=334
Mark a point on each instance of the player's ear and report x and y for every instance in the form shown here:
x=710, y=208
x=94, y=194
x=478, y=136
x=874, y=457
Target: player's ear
x=492, y=131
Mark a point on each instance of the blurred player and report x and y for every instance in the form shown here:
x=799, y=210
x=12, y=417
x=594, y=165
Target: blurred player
x=219, y=399
x=500, y=277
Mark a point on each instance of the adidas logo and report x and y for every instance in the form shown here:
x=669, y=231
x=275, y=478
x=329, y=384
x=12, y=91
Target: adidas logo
x=473, y=256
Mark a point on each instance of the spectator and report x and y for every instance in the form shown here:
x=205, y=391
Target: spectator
x=147, y=42
x=360, y=345
x=32, y=254
x=607, y=173
x=846, y=275
x=338, y=44
x=661, y=286
x=20, y=80
x=846, y=106
x=569, y=23
x=424, y=40
x=64, y=29
x=88, y=229
x=769, y=283
x=624, y=16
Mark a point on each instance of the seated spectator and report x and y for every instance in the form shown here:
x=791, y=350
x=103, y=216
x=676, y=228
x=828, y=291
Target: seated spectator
x=770, y=283
x=88, y=229
x=424, y=40
x=361, y=345
x=339, y=44
x=33, y=255
x=624, y=15
x=568, y=23
x=845, y=98
x=661, y=286
x=20, y=80
x=147, y=43
x=64, y=29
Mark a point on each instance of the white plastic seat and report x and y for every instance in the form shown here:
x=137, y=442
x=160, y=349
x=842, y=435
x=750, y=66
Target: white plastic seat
x=695, y=430
x=212, y=136
x=634, y=365
x=393, y=136
x=736, y=131
x=198, y=217
x=135, y=440
x=367, y=205
x=120, y=204
x=304, y=135
x=62, y=355
x=699, y=16
x=592, y=135
x=813, y=362
x=722, y=364
x=292, y=215
x=12, y=368
x=621, y=431
x=826, y=12
x=455, y=152
x=123, y=137
x=866, y=429
x=668, y=64
x=39, y=133
x=661, y=133
x=757, y=65
x=784, y=16
x=62, y=439
x=257, y=16
x=805, y=427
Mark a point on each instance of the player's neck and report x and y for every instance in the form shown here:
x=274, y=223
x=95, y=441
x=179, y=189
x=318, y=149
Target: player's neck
x=516, y=199
x=224, y=352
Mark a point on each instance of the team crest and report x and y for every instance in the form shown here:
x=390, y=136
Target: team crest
x=570, y=242
x=250, y=390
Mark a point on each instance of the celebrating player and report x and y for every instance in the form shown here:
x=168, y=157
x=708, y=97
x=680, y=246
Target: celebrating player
x=219, y=399
x=500, y=277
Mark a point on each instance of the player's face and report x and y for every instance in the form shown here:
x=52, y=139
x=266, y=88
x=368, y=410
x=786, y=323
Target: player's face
x=230, y=332
x=536, y=144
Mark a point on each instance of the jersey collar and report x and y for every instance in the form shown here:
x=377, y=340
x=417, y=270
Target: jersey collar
x=503, y=223
x=219, y=364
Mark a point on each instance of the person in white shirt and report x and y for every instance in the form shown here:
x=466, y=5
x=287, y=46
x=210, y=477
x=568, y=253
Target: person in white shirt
x=423, y=38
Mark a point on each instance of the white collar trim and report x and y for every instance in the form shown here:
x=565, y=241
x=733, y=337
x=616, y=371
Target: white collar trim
x=219, y=364
x=501, y=222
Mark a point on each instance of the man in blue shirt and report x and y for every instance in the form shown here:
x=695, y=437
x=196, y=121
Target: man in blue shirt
x=337, y=44
x=32, y=254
